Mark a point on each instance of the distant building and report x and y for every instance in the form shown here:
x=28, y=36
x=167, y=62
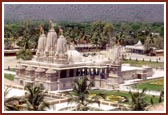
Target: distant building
x=86, y=47
x=137, y=48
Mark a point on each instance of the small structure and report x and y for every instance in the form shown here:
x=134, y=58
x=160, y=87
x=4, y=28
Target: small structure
x=159, y=52
x=86, y=47
x=130, y=72
x=137, y=48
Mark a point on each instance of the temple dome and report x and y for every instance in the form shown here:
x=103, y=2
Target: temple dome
x=74, y=56
x=61, y=44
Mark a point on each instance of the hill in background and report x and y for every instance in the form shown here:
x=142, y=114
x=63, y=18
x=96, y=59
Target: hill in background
x=85, y=12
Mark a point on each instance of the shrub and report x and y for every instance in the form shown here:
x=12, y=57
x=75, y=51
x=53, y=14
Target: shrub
x=24, y=54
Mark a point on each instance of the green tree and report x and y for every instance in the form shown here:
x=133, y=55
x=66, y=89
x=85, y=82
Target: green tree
x=28, y=39
x=35, y=98
x=101, y=33
x=108, y=31
x=80, y=94
x=153, y=41
x=137, y=101
x=7, y=37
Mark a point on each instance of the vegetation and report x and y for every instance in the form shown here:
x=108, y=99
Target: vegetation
x=147, y=63
x=80, y=95
x=153, y=41
x=33, y=100
x=24, y=54
x=137, y=101
x=156, y=85
x=124, y=94
x=11, y=69
x=9, y=77
x=101, y=34
x=114, y=98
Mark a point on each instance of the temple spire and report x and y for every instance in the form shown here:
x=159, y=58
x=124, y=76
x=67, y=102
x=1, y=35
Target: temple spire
x=60, y=30
x=51, y=24
x=41, y=30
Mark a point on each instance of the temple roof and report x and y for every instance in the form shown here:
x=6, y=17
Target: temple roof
x=139, y=43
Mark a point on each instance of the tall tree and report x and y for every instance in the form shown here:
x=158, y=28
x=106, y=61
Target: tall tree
x=137, y=101
x=80, y=94
x=28, y=39
x=7, y=36
x=108, y=32
x=35, y=98
x=101, y=33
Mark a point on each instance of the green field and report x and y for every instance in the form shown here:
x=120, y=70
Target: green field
x=9, y=77
x=124, y=94
x=147, y=63
x=156, y=85
x=12, y=69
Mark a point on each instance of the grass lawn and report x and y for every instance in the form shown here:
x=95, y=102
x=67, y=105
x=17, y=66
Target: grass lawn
x=124, y=94
x=12, y=69
x=9, y=77
x=156, y=85
x=147, y=63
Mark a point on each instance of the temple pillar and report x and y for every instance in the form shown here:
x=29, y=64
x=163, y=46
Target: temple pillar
x=67, y=73
x=74, y=73
x=83, y=71
x=58, y=84
x=59, y=72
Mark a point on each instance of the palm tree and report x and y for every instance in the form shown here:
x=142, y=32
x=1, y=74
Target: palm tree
x=28, y=34
x=108, y=30
x=7, y=36
x=35, y=98
x=80, y=94
x=138, y=103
